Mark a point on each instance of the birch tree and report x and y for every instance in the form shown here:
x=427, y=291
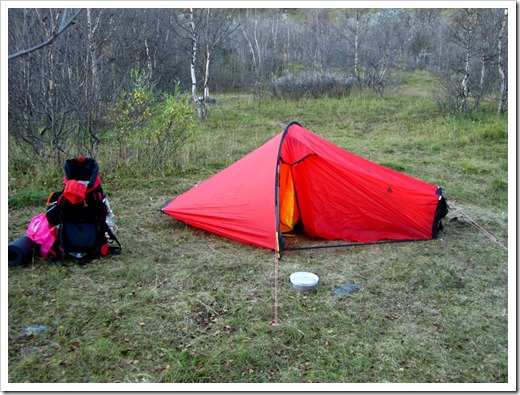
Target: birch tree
x=193, y=58
x=356, y=29
x=254, y=46
x=467, y=23
x=219, y=25
x=189, y=22
x=502, y=64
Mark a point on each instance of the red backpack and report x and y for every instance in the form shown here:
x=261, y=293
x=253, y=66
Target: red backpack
x=80, y=212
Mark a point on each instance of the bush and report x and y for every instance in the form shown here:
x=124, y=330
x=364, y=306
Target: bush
x=151, y=127
x=170, y=127
x=311, y=85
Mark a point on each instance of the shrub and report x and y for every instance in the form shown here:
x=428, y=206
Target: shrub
x=170, y=126
x=311, y=85
x=152, y=126
x=132, y=110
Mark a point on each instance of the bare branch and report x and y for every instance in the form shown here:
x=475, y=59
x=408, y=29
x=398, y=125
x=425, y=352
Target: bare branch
x=54, y=34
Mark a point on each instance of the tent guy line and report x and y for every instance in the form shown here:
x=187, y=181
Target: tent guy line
x=474, y=223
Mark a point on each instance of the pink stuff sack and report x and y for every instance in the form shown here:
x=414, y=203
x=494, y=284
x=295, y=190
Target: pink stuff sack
x=41, y=233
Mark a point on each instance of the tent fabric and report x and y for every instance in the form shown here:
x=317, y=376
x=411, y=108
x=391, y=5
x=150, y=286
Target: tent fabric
x=237, y=202
x=299, y=177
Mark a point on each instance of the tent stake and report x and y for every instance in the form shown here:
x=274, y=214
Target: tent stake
x=276, y=261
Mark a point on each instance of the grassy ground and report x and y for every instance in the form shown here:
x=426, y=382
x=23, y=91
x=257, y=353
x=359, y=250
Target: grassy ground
x=182, y=305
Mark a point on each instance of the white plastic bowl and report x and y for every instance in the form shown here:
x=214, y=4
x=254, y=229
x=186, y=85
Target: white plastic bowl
x=304, y=281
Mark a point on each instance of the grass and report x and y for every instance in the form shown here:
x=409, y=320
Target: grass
x=186, y=306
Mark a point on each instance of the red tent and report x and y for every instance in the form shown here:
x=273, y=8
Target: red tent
x=299, y=178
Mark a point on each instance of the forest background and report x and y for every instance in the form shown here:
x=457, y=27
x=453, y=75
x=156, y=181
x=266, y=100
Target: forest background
x=104, y=74
x=164, y=98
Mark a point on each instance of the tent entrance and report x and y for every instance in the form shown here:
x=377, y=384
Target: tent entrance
x=290, y=219
x=289, y=210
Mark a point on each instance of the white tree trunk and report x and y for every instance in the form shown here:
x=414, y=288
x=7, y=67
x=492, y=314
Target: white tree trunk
x=208, y=57
x=501, y=66
x=356, y=50
x=206, y=81
x=193, y=57
x=481, y=87
x=193, y=61
x=472, y=22
x=91, y=31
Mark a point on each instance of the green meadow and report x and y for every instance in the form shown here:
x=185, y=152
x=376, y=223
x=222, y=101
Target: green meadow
x=181, y=305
